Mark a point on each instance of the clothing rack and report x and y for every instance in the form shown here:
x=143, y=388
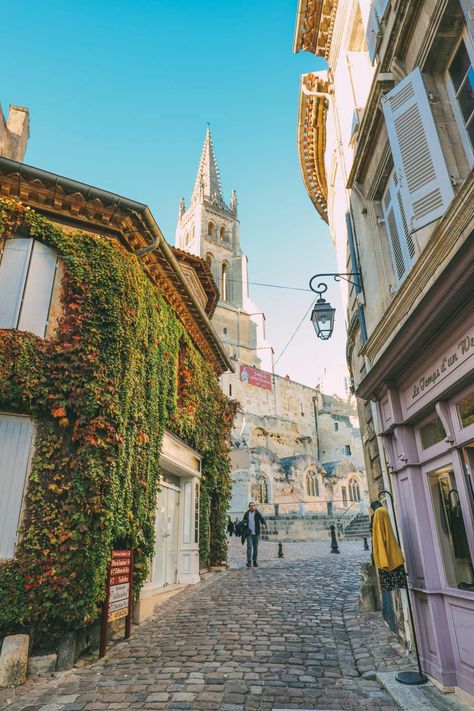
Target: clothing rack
x=412, y=678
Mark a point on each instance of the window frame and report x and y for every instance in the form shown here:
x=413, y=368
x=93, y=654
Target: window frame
x=466, y=141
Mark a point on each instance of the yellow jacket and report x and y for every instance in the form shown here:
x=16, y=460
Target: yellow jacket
x=387, y=553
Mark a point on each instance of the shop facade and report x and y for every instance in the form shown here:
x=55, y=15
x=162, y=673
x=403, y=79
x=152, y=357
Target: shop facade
x=425, y=404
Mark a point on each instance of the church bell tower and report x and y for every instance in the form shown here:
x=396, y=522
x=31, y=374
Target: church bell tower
x=210, y=229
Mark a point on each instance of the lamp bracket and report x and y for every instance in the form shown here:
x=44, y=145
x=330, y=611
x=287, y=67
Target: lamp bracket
x=337, y=277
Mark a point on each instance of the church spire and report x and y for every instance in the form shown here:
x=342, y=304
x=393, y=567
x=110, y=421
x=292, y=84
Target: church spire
x=208, y=183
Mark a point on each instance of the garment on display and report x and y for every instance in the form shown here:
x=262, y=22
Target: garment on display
x=388, y=557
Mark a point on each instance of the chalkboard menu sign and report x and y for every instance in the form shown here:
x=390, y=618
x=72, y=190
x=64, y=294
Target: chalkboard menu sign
x=118, y=600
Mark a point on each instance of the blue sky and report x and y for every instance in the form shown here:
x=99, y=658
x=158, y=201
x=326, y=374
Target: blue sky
x=119, y=96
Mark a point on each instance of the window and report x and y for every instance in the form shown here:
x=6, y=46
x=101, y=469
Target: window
x=347, y=449
x=461, y=83
x=344, y=495
x=401, y=243
x=16, y=435
x=465, y=410
x=224, y=331
x=262, y=493
x=452, y=537
x=186, y=239
x=27, y=270
x=224, y=290
x=210, y=229
x=422, y=175
x=432, y=432
x=312, y=484
x=230, y=389
x=196, y=513
x=336, y=426
x=223, y=234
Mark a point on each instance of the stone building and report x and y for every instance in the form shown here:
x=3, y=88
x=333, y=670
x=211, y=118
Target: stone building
x=107, y=354
x=296, y=451
x=386, y=146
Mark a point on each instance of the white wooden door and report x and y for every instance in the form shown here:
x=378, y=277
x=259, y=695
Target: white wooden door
x=165, y=563
x=172, y=537
x=16, y=435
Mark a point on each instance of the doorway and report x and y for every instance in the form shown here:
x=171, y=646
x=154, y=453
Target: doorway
x=165, y=564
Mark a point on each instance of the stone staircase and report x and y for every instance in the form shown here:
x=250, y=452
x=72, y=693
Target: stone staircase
x=359, y=527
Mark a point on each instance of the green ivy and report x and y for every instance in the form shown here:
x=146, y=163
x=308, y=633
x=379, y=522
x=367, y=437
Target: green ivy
x=102, y=391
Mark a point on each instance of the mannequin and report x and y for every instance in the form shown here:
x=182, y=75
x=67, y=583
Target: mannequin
x=388, y=557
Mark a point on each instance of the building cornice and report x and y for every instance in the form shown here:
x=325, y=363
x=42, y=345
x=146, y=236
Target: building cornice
x=443, y=275
x=80, y=206
x=314, y=26
x=312, y=140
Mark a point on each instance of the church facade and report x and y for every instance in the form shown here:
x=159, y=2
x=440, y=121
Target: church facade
x=295, y=451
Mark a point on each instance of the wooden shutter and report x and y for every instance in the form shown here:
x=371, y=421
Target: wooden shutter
x=372, y=33
x=468, y=9
x=13, y=271
x=16, y=434
x=380, y=7
x=402, y=246
x=419, y=162
x=39, y=286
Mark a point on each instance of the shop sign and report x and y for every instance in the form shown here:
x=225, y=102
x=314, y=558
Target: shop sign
x=253, y=376
x=442, y=367
x=118, y=599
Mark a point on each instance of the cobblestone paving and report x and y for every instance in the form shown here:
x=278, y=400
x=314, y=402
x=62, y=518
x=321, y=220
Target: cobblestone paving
x=285, y=635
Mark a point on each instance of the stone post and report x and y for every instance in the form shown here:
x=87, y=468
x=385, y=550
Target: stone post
x=14, y=660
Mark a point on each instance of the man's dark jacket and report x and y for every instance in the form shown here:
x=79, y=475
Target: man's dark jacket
x=259, y=520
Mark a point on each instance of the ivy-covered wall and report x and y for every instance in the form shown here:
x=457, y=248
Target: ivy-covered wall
x=101, y=391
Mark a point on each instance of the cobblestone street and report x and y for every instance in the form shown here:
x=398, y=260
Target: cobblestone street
x=284, y=635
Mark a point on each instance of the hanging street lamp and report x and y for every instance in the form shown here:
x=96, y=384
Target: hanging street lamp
x=323, y=313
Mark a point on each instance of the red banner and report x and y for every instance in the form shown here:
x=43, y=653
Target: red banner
x=253, y=376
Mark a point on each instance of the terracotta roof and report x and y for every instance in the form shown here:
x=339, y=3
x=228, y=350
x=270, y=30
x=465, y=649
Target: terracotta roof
x=312, y=140
x=204, y=274
x=314, y=26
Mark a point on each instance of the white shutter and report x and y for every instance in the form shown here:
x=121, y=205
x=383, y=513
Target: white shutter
x=372, y=33
x=468, y=9
x=13, y=271
x=39, y=286
x=401, y=242
x=416, y=150
x=380, y=7
x=15, y=445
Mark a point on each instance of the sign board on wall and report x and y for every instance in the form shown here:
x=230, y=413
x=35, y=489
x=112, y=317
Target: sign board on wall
x=253, y=376
x=118, y=599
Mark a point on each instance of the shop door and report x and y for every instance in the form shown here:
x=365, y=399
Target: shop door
x=167, y=518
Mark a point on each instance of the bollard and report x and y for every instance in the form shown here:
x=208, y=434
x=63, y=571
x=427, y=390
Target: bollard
x=366, y=545
x=334, y=548
x=280, y=550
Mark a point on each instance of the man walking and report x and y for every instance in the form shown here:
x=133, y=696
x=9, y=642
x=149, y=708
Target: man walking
x=252, y=523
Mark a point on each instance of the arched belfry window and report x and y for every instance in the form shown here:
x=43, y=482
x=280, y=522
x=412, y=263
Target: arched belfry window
x=222, y=234
x=225, y=282
x=209, y=260
x=210, y=229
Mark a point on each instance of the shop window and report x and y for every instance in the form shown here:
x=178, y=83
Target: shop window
x=465, y=410
x=432, y=432
x=27, y=270
x=196, y=513
x=451, y=530
x=16, y=435
x=461, y=86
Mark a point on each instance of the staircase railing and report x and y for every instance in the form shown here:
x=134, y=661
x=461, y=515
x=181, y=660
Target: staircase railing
x=343, y=524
